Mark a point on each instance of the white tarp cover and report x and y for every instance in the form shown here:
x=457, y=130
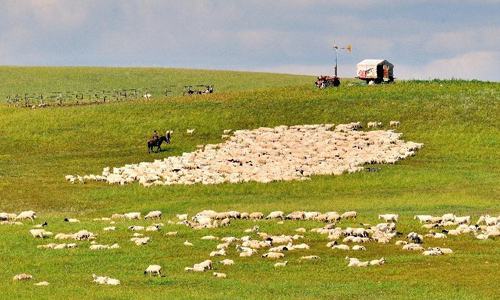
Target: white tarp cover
x=368, y=68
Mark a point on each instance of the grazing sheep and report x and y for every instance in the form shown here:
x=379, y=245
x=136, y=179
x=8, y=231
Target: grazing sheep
x=153, y=269
x=275, y=215
x=153, y=215
x=389, y=217
x=206, y=264
x=256, y=215
x=31, y=215
x=40, y=233
x=189, y=131
x=423, y=218
x=182, y=217
x=394, y=123
x=373, y=124
x=349, y=215
x=22, y=276
x=227, y=262
x=225, y=222
x=414, y=237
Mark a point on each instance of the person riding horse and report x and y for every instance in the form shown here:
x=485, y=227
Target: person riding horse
x=156, y=141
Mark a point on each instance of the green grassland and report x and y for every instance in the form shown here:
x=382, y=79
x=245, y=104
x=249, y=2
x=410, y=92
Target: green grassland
x=456, y=171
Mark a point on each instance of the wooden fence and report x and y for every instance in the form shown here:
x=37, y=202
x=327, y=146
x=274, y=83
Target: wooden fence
x=60, y=98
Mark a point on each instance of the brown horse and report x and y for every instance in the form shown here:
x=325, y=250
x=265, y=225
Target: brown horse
x=156, y=143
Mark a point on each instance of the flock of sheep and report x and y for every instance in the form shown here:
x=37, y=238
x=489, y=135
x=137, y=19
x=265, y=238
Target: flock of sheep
x=255, y=242
x=270, y=154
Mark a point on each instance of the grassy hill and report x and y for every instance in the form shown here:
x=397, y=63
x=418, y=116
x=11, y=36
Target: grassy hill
x=456, y=171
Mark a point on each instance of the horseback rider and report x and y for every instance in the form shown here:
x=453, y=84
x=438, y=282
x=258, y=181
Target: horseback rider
x=155, y=136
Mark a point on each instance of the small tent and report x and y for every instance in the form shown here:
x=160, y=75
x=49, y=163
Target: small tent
x=376, y=70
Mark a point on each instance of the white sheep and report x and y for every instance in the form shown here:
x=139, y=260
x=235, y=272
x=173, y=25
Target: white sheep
x=358, y=248
x=153, y=269
x=132, y=215
x=389, y=217
x=423, y=218
x=182, y=217
x=136, y=228
x=273, y=255
x=227, y=262
x=71, y=220
x=378, y=262
x=22, y=276
x=275, y=215
x=281, y=264
x=373, y=124
x=220, y=275
x=31, y=215
x=153, y=215
x=153, y=228
x=195, y=269
x=394, y=123
x=189, y=131
x=309, y=257
x=221, y=252
x=349, y=215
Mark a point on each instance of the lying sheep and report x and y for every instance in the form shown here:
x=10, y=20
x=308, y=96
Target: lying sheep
x=153, y=269
x=71, y=220
x=280, y=264
x=378, y=262
x=309, y=257
x=273, y=255
x=22, y=276
x=132, y=215
x=195, y=269
x=219, y=275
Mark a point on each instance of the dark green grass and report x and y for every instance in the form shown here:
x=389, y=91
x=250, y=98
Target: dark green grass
x=456, y=171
